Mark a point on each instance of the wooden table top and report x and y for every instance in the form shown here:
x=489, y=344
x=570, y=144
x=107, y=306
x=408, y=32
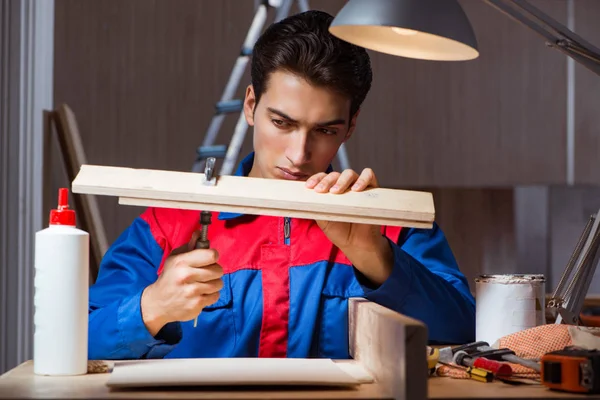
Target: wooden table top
x=21, y=382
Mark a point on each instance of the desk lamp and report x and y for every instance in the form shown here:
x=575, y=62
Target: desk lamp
x=439, y=30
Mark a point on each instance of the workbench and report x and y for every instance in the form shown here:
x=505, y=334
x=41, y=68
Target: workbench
x=389, y=345
x=21, y=382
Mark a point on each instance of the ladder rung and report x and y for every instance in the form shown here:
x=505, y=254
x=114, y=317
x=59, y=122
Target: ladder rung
x=217, y=151
x=229, y=106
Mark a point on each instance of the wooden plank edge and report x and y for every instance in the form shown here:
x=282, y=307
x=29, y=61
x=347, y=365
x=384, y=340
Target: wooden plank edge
x=390, y=346
x=275, y=212
x=80, y=185
x=426, y=218
x=355, y=369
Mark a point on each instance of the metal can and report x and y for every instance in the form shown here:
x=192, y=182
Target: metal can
x=507, y=304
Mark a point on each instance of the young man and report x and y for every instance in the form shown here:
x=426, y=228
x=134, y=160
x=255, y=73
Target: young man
x=270, y=286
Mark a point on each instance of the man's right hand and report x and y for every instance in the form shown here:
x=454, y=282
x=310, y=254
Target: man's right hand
x=189, y=282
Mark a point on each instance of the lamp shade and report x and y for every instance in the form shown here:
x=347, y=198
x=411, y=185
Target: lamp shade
x=424, y=29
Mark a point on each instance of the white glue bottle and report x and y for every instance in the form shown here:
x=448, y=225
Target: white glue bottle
x=60, y=341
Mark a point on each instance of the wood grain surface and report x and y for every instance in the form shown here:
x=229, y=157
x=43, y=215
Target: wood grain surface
x=257, y=196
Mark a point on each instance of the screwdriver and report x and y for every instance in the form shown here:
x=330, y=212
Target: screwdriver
x=497, y=368
x=444, y=356
x=494, y=367
x=205, y=216
x=480, y=375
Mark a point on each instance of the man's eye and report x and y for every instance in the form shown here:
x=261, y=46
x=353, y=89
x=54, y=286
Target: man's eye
x=279, y=122
x=327, y=131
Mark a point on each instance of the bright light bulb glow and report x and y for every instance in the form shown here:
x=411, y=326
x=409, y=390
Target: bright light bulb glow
x=404, y=31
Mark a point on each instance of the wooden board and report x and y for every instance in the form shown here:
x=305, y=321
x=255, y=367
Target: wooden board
x=390, y=346
x=88, y=212
x=234, y=372
x=146, y=187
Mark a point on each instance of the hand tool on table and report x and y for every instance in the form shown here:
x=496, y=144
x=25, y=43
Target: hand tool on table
x=444, y=356
x=433, y=356
x=572, y=369
x=462, y=355
x=478, y=368
x=205, y=215
x=498, y=368
x=483, y=349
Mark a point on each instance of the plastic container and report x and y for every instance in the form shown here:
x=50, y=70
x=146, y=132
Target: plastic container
x=60, y=343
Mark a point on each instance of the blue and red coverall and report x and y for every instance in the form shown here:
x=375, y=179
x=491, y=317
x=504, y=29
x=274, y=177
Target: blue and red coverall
x=285, y=289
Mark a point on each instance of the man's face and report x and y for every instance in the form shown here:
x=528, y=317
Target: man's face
x=298, y=128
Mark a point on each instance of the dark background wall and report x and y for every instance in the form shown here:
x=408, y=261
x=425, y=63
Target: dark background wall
x=143, y=76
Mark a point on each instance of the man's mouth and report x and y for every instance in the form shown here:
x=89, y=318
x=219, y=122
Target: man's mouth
x=292, y=175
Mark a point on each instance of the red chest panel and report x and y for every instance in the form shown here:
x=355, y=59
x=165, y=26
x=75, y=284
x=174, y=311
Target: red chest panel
x=255, y=242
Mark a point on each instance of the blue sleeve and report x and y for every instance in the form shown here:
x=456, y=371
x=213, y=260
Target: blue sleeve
x=426, y=284
x=116, y=328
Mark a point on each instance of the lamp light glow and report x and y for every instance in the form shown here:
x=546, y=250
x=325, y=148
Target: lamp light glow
x=423, y=29
x=404, y=31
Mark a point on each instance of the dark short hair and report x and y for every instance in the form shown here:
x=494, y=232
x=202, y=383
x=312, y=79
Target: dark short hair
x=301, y=44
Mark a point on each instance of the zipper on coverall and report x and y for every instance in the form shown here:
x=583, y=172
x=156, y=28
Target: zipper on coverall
x=287, y=227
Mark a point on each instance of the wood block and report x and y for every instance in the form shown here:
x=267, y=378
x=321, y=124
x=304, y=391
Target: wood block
x=234, y=372
x=391, y=347
x=149, y=187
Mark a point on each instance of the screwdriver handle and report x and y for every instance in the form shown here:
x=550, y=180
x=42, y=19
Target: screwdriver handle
x=480, y=375
x=205, y=221
x=498, y=368
x=203, y=242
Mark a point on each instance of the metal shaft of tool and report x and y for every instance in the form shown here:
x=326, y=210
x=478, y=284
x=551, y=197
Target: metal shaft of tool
x=204, y=233
x=462, y=358
x=205, y=215
x=514, y=359
x=534, y=365
x=209, y=168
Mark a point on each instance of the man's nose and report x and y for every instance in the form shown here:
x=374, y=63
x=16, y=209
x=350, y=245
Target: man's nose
x=298, y=148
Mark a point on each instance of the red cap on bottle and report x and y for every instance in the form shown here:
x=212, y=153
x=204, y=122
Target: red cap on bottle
x=62, y=215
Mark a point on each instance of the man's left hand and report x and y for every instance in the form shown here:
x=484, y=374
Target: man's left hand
x=363, y=244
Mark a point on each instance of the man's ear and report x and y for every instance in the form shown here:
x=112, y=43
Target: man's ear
x=249, y=104
x=352, y=126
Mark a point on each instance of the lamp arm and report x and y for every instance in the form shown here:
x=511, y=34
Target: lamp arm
x=567, y=300
x=557, y=35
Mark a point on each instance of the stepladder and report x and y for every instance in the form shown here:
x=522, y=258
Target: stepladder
x=228, y=105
